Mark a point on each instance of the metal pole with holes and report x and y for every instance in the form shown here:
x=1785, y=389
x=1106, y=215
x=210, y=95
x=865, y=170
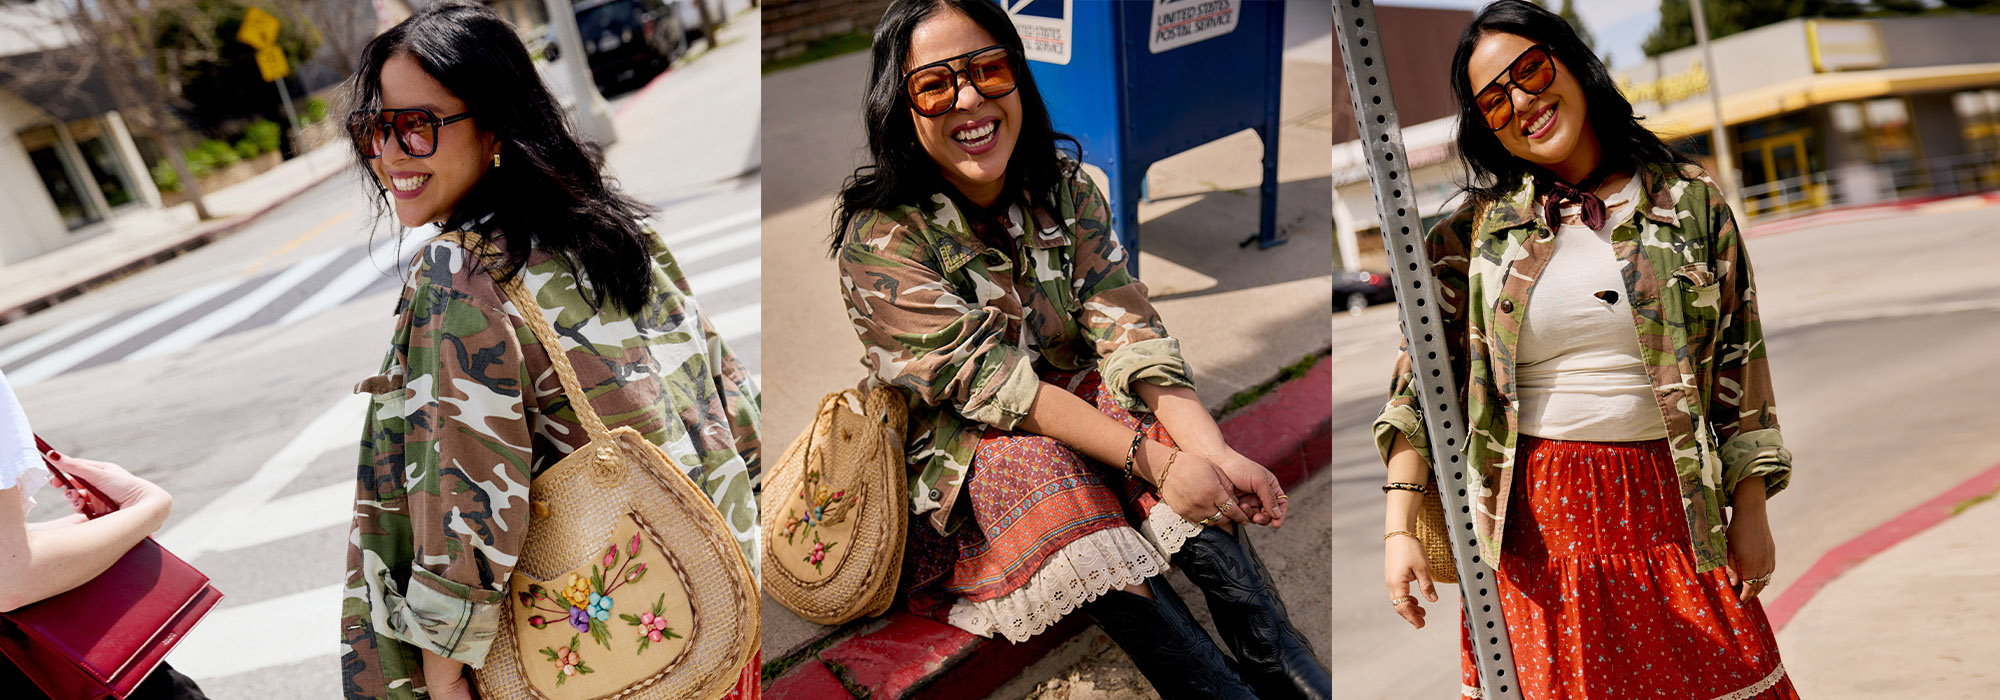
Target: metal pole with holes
x=1417, y=303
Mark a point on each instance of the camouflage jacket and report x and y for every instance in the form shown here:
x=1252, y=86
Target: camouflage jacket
x=467, y=411
x=965, y=329
x=1694, y=308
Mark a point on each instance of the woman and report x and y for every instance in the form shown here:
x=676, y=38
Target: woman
x=453, y=121
x=40, y=560
x=981, y=275
x=1617, y=392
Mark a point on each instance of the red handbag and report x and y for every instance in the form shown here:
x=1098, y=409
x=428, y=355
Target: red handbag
x=101, y=639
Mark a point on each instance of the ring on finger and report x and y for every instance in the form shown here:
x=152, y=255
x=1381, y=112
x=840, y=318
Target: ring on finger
x=1398, y=601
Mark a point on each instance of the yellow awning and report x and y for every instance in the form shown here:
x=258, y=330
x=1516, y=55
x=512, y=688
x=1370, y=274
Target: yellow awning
x=1696, y=116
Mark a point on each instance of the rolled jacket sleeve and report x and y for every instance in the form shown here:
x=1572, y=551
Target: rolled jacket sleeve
x=464, y=459
x=1743, y=410
x=1447, y=244
x=1116, y=315
x=920, y=335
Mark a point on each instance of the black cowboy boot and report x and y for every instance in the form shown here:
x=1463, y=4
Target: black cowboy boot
x=1169, y=647
x=1271, y=654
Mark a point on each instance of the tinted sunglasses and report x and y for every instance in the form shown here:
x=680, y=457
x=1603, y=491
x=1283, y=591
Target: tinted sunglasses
x=933, y=87
x=415, y=129
x=1532, y=71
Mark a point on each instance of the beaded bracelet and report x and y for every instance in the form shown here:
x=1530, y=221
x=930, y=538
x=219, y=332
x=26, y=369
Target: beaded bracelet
x=1132, y=453
x=1404, y=486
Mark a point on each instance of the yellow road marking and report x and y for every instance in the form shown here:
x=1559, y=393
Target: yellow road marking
x=296, y=242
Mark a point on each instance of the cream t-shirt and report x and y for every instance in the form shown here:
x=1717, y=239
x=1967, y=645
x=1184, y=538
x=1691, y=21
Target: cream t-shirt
x=1577, y=367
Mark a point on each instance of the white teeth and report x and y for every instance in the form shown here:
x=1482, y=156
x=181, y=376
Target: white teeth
x=406, y=184
x=972, y=135
x=1548, y=115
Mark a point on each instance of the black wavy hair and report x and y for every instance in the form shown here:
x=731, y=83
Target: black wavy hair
x=550, y=190
x=1492, y=172
x=900, y=172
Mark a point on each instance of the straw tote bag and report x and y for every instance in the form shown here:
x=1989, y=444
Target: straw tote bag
x=835, y=510
x=1435, y=537
x=630, y=584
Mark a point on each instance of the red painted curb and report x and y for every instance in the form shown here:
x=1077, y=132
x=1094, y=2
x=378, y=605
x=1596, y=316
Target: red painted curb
x=1840, y=559
x=810, y=681
x=1288, y=431
x=641, y=94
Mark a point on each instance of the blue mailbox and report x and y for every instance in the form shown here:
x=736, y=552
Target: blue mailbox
x=1136, y=81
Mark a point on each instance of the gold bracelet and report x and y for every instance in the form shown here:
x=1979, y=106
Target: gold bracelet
x=1405, y=533
x=1162, y=483
x=1404, y=486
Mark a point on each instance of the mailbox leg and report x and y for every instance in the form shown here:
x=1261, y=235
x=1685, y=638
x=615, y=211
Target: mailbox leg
x=1267, y=215
x=1124, y=199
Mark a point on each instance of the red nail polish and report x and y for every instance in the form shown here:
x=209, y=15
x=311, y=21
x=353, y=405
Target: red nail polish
x=55, y=456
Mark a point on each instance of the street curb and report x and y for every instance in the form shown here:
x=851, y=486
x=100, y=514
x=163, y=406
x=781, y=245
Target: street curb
x=201, y=235
x=1289, y=431
x=1864, y=212
x=1851, y=553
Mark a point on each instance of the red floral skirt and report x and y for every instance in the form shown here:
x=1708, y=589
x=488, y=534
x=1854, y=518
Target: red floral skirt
x=1600, y=591
x=748, y=681
x=1029, y=496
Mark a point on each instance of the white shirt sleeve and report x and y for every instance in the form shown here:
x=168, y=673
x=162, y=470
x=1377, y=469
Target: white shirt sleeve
x=20, y=461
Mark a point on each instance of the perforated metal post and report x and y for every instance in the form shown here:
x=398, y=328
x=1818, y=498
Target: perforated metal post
x=1416, y=302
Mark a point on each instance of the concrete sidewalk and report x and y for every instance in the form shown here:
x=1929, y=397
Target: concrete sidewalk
x=1912, y=621
x=1242, y=314
x=142, y=239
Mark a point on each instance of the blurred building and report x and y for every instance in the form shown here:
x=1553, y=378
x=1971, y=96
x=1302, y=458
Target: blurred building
x=1820, y=113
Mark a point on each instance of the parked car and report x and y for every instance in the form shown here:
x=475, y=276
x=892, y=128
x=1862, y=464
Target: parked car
x=1354, y=290
x=629, y=39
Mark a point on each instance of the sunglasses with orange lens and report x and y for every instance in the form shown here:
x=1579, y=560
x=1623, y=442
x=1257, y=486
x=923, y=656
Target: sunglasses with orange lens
x=933, y=87
x=1532, y=71
x=415, y=129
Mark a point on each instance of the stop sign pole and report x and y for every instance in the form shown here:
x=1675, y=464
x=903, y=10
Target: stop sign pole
x=1417, y=304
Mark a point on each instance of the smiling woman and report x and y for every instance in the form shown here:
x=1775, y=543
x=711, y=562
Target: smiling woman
x=467, y=539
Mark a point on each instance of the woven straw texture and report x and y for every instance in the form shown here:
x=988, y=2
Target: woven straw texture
x=835, y=511
x=581, y=505
x=1435, y=537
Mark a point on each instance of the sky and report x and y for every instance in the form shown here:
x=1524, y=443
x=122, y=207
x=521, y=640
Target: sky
x=1619, y=26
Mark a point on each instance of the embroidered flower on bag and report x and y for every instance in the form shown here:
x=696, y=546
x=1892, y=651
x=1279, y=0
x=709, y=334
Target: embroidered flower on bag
x=568, y=662
x=586, y=603
x=824, y=506
x=652, y=625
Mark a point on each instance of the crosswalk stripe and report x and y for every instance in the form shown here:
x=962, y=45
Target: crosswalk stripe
x=690, y=256
x=712, y=281
x=354, y=280
x=237, y=639
x=43, y=340
x=236, y=310
x=70, y=355
x=694, y=233
x=739, y=322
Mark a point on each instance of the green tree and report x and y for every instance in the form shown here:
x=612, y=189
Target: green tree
x=1568, y=13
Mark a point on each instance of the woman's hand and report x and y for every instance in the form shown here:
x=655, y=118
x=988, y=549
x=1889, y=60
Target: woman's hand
x=121, y=487
x=1403, y=562
x=1268, y=506
x=1196, y=490
x=1753, y=555
x=446, y=678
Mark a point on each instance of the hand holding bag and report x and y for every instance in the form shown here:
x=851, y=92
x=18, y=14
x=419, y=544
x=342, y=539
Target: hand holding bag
x=835, y=510
x=101, y=639
x=630, y=584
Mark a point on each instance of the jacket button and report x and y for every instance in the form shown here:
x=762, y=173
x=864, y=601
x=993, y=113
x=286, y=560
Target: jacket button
x=935, y=494
x=1506, y=306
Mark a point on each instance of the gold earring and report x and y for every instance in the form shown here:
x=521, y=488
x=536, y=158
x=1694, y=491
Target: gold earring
x=496, y=160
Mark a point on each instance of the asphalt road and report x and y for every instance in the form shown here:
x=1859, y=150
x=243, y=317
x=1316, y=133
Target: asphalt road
x=1881, y=337
x=226, y=375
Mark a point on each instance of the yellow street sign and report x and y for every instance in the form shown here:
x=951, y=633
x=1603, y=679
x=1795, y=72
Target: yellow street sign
x=260, y=29
x=271, y=62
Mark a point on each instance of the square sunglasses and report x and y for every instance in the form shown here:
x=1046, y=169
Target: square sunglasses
x=415, y=129
x=933, y=87
x=1533, y=72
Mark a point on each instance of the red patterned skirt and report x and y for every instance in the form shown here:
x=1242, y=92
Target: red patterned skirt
x=1600, y=591
x=1029, y=498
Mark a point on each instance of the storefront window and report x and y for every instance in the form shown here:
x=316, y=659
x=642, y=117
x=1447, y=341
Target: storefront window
x=1979, y=119
x=44, y=146
x=106, y=169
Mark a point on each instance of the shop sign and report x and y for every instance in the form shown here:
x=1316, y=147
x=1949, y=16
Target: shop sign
x=1845, y=44
x=1045, y=27
x=1667, y=89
